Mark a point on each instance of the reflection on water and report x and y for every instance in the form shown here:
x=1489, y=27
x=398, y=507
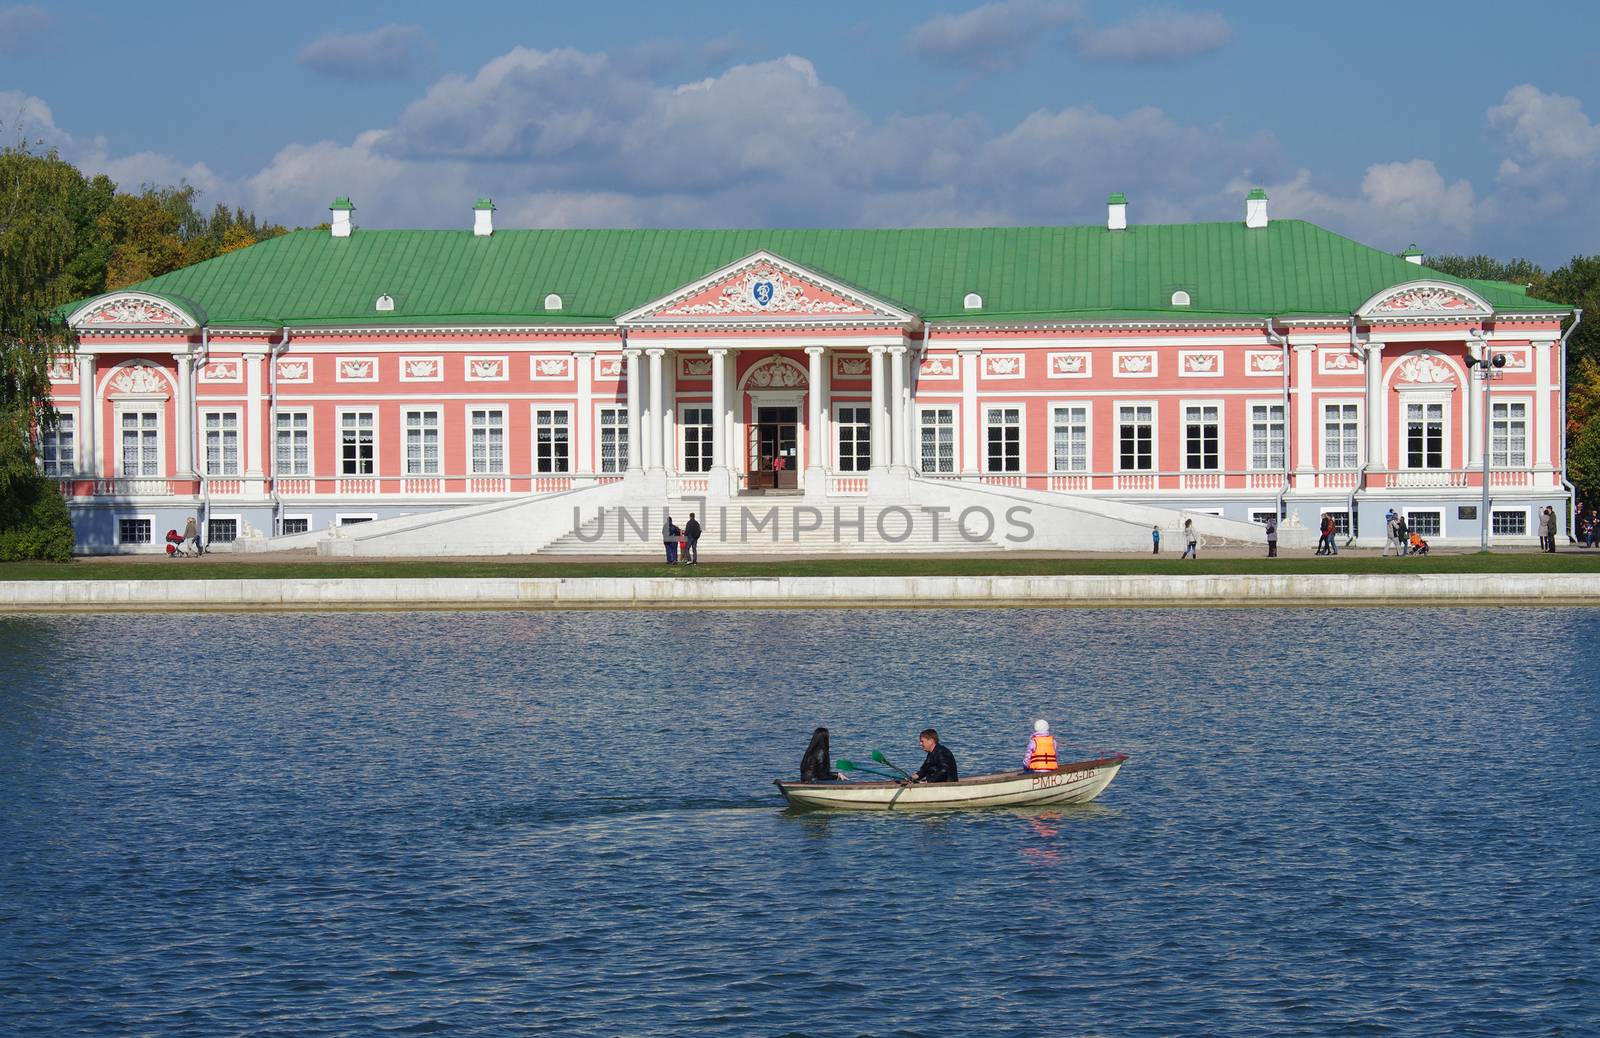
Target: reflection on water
x=1378, y=821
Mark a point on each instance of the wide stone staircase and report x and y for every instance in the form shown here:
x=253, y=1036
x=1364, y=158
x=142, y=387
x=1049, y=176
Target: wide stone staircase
x=777, y=525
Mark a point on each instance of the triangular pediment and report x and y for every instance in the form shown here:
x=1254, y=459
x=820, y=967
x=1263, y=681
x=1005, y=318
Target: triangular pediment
x=1426, y=299
x=765, y=288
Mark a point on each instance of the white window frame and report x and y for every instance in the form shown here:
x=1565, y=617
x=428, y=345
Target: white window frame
x=296, y=515
x=1022, y=436
x=1411, y=525
x=1222, y=430
x=469, y=463
x=708, y=429
x=71, y=470
x=377, y=442
x=238, y=443
x=621, y=430
x=1527, y=521
x=311, y=443
x=141, y=407
x=1322, y=431
x=1155, y=435
x=406, y=412
x=1088, y=434
x=1250, y=406
x=117, y=519
x=533, y=437
x=954, y=427
x=1404, y=444
x=1496, y=400
x=839, y=426
x=344, y=518
x=238, y=526
x=1261, y=515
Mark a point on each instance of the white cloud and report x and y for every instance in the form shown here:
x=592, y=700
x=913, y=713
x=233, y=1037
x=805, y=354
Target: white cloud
x=35, y=124
x=993, y=36
x=387, y=52
x=1397, y=203
x=20, y=23
x=1158, y=34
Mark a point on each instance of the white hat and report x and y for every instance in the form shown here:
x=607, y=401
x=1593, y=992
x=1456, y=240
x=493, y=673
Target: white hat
x=1041, y=727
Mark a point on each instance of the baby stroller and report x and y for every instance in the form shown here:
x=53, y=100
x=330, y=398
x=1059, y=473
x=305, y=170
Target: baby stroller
x=177, y=545
x=1418, y=545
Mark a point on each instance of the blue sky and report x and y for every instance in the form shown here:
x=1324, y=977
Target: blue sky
x=1461, y=126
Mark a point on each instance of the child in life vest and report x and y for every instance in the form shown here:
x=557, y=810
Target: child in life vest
x=1041, y=755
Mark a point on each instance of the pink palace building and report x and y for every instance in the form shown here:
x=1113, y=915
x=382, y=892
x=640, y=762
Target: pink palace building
x=488, y=391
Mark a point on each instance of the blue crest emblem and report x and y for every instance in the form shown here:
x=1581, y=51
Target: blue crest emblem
x=762, y=290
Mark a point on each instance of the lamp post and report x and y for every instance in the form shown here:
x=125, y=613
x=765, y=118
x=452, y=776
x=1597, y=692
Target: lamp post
x=1486, y=366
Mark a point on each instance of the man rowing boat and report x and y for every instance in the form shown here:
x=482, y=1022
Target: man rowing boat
x=940, y=764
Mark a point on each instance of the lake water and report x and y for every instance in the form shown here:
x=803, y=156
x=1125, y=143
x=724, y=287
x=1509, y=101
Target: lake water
x=1333, y=822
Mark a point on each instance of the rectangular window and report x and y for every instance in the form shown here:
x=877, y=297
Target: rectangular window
x=938, y=439
x=422, y=443
x=488, y=431
x=855, y=439
x=1201, y=435
x=1509, y=524
x=1135, y=438
x=296, y=524
x=1508, y=435
x=1261, y=515
x=613, y=439
x=357, y=443
x=1266, y=436
x=697, y=439
x=1425, y=523
x=1425, y=437
x=222, y=443
x=222, y=531
x=1069, y=438
x=1341, y=430
x=133, y=531
x=551, y=440
x=1341, y=523
x=1003, y=437
x=56, y=446
x=293, y=439
x=141, y=449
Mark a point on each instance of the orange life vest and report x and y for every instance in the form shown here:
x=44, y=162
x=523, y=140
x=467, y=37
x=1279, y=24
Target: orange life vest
x=1043, y=757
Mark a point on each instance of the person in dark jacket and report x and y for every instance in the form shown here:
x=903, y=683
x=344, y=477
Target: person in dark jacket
x=940, y=764
x=691, y=530
x=817, y=765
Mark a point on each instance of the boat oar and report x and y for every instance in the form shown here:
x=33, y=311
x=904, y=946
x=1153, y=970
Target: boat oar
x=878, y=756
x=845, y=765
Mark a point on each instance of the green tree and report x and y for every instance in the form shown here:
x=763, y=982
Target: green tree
x=1487, y=268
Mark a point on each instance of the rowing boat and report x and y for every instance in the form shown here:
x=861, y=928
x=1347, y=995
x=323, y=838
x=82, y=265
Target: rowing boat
x=1076, y=783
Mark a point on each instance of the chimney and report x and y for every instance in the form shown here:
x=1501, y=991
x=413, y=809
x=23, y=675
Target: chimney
x=341, y=210
x=483, y=217
x=1255, y=208
x=1117, y=212
x=1413, y=254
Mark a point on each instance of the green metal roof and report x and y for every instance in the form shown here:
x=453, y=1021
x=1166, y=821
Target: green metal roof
x=1289, y=268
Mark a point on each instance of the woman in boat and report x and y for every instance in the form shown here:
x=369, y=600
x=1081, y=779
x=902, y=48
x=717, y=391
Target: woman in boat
x=1041, y=755
x=817, y=765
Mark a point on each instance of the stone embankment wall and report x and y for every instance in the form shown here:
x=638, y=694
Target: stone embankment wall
x=800, y=592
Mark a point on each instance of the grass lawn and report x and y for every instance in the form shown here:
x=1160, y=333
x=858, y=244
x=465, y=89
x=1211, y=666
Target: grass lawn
x=221, y=568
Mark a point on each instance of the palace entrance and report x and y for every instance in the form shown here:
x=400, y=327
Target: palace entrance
x=774, y=448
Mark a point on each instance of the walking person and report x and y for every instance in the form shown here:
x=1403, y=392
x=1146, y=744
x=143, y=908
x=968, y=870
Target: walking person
x=1191, y=541
x=1272, y=536
x=1402, y=532
x=1591, y=531
x=669, y=538
x=1391, y=539
x=1548, y=526
x=1330, y=532
x=1155, y=540
x=691, y=530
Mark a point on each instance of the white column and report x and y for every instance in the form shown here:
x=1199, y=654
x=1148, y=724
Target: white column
x=719, y=409
x=88, y=444
x=255, y=416
x=583, y=421
x=183, y=420
x=969, y=412
x=1377, y=452
x=668, y=423
x=654, y=432
x=817, y=379
x=879, y=402
x=635, y=448
x=1543, y=408
x=1473, y=405
x=897, y=405
x=1305, y=409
